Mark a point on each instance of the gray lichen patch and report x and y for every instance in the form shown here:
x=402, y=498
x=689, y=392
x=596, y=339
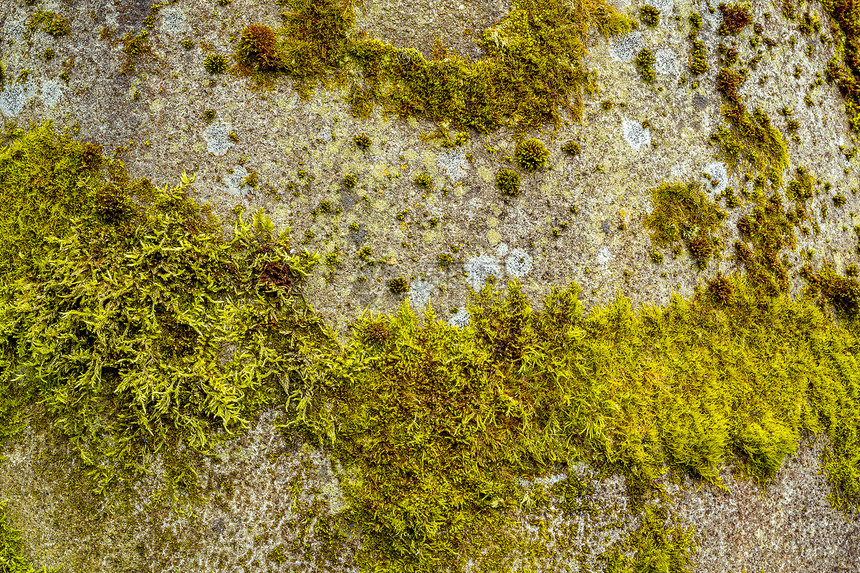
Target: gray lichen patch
x=217, y=138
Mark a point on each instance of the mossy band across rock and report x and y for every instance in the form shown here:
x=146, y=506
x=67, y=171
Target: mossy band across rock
x=443, y=422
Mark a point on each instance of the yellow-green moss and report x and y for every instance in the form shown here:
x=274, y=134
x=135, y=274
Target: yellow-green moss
x=533, y=69
x=682, y=213
x=134, y=325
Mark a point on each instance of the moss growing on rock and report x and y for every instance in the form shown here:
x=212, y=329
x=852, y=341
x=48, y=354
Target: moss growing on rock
x=145, y=329
x=644, y=63
x=682, y=213
x=216, y=63
x=531, y=154
x=529, y=75
x=508, y=182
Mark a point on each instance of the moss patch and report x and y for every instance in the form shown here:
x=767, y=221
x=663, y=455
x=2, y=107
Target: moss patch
x=532, y=71
x=683, y=213
x=138, y=326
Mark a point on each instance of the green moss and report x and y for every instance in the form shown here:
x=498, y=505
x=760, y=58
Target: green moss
x=750, y=140
x=649, y=15
x=398, y=286
x=424, y=181
x=468, y=412
x=571, y=148
x=142, y=329
x=350, y=180
x=188, y=43
x=699, y=63
x=533, y=69
x=769, y=230
x=216, y=63
x=844, y=67
x=362, y=141
x=508, y=182
x=134, y=46
x=682, y=213
x=652, y=546
x=51, y=22
x=531, y=154
x=644, y=63
x=115, y=286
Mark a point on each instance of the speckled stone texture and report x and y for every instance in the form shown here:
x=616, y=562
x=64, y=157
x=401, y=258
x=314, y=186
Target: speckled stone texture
x=301, y=150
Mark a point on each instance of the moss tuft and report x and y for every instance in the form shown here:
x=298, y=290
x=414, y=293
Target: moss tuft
x=649, y=15
x=362, y=141
x=644, y=63
x=398, y=286
x=531, y=154
x=216, y=63
x=508, y=182
x=258, y=49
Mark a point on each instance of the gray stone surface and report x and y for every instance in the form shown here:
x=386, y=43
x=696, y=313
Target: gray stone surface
x=301, y=150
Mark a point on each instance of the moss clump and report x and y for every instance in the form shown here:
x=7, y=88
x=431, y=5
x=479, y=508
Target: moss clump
x=698, y=62
x=652, y=546
x=531, y=154
x=842, y=293
x=571, y=148
x=649, y=15
x=682, y=213
x=11, y=558
x=350, y=180
x=51, y=23
x=398, y=286
x=736, y=17
x=258, y=50
x=134, y=47
x=424, y=181
x=362, y=141
x=529, y=75
x=770, y=230
x=728, y=84
x=508, y=182
x=751, y=141
x=644, y=63
x=443, y=422
x=844, y=67
x=216, y=63
x=445, y=260
x=188, y=43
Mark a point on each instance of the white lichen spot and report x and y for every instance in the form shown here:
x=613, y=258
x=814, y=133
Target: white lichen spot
x=635, y=135
x=235, y=182
x=217, y=138
x=419, y=293
x=173, y=20
x=667, y=62
x=624, y=48
x=715, y=178
x=453, y=163
x=14, y=29
x=51, y=93
x=478, y=270
x=15, y=97
x=460, y=318
x=518, y=263
x=604, y=255
x=502, y=250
